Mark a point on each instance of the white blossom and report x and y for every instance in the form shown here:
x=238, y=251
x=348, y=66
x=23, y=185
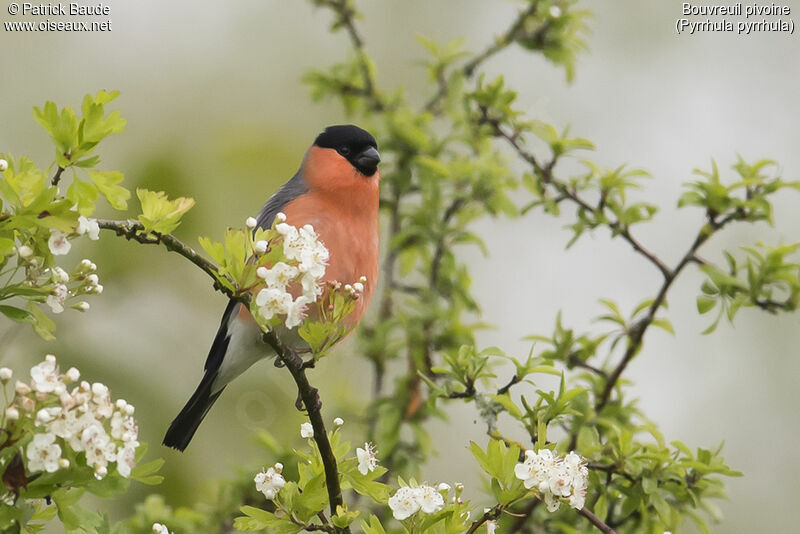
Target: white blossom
x=58, y=243
x=269, y=483
x=43, y=453
x=280, y=217
x=158, y=528
x=261, y=246
x=5, y=374
x=407, y=501
x=89, y=227
x=306, y=430
x=366, y=458
x=279, y=275
x=338, y=421
x=404, y=503
x=57, y=297
x=273, y=302
x=44, y=375
x=85, y=419
x=491, y=526
x=297, y=311
x=82, y=306
x=126, y=458
x=358, y=287
x=251, y=222
x=430, y=500
x=555, y=477
x=60, y=275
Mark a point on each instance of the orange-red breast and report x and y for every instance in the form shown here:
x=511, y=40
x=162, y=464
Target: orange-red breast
x=336, y=191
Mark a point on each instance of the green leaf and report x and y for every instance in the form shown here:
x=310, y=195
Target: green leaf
x=84, y=195
x=505, y=400
x=17, y=314
x=705, y=304
x=373, y=527
x=664, y=324
x=146, y=473
x=42, y=324
x=159, y=214
x=116, y=195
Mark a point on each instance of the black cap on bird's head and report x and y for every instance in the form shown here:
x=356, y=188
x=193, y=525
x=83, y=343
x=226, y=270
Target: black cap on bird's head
x=354, y=144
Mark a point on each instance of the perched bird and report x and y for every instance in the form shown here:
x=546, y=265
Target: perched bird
x=336, y=191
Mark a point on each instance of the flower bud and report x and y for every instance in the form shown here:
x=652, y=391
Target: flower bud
x=12, y=414
x=261, y=247
x=338, y=421
x=72, y=375
x=27, y=404
x=82, y=306
x=25, y=251
x=3, y=165
x=5, y=374
x=63, y=463
x=262, y=272
x=22, y=388
x=278, y=467
x=280, y=217
x=251, y=222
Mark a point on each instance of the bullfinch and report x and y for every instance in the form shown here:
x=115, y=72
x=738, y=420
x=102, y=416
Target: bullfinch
x=336, y=191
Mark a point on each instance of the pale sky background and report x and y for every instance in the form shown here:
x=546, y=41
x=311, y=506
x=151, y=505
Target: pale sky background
x=214, y=103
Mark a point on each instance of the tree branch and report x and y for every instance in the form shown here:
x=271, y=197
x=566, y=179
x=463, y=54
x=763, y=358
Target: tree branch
x=311, y=402
x=308, y=394
x=134, y=230
x=57, y=176
x=596, y=521
x=636, y=334
x=346, y=19
x=500, y=43
x=545, y=172
x=489, y=515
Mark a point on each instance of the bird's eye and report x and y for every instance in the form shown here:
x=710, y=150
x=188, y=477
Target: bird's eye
x=344, y=151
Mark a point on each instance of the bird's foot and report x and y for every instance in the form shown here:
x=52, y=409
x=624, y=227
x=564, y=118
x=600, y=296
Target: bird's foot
x=317, y=402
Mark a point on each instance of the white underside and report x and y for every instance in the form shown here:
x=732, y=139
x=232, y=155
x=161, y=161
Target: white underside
x=246, y=348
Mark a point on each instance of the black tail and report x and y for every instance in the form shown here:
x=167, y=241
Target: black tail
x=185, y=425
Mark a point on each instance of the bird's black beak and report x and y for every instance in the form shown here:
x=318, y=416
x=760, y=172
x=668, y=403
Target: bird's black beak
x=367, y=161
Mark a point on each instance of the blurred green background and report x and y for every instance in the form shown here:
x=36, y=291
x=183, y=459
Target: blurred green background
x=216, y=111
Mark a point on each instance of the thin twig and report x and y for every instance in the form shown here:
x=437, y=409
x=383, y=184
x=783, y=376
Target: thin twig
x=311, y=402
x=500, y=42
x=545, y=172
x=347, y=20
x=489, y=515
x=134, y=230
x=636, y=334
x=57, y=176
x=596, y=521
